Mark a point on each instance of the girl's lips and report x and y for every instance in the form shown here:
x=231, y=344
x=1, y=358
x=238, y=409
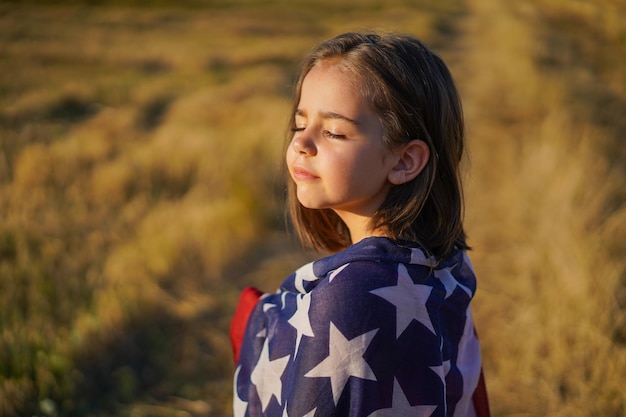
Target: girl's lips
x=303, y=174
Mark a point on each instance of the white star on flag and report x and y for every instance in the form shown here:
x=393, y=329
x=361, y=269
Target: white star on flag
x=449, y=282
x=418, y=257
x=410, y=301
x=336, y=272
x=268, y=306
x=400, y=406
x=300, y=319
x=337, y=367
x=442, y=370
x=304, y=273
x=266, y=376
x=239, y=406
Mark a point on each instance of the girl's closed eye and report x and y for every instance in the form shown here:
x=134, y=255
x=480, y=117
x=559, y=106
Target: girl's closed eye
x=297, y=129
x=331, y=135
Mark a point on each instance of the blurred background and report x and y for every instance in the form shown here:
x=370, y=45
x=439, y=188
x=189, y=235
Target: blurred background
x=141, y=189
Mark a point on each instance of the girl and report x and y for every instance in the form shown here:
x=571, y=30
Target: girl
x=382, y=327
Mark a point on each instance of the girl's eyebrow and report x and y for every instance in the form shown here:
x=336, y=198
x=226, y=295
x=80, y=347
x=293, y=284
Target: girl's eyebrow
x=329, y=115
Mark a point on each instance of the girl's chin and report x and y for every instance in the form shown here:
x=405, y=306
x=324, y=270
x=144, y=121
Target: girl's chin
x=311, y=204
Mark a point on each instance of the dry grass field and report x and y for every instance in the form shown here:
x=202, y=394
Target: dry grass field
x=141, y=189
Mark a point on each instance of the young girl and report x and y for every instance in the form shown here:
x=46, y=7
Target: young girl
x=382, y=327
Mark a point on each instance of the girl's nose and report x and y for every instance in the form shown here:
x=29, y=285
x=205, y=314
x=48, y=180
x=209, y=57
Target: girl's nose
x=302, y=143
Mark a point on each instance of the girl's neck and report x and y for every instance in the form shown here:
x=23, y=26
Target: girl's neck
x=360, y=226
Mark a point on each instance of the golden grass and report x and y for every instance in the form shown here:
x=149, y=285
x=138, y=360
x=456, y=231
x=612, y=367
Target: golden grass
x=548, y=306
x=140, y=189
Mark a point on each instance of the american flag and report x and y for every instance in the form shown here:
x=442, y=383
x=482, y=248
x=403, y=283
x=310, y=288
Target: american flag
x=378, y=329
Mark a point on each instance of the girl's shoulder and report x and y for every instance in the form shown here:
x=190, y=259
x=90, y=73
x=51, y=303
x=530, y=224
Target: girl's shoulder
x=380, y=262
x=375, y=250
x=369, y=258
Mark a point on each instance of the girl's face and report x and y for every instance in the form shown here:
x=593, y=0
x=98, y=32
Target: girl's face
x=336, y=156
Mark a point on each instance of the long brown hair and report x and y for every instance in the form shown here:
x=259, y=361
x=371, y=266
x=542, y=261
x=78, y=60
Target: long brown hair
x=412, y=92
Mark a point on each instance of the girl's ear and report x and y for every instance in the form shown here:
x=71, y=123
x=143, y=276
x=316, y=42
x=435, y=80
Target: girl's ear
x=412, y=158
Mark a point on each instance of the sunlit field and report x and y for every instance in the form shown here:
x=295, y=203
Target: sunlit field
x=141, y=188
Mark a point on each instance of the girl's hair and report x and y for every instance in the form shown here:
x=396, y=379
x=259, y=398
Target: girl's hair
x=412, y=92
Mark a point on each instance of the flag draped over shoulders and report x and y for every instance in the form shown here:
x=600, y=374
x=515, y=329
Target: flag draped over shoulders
x=375, y=330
